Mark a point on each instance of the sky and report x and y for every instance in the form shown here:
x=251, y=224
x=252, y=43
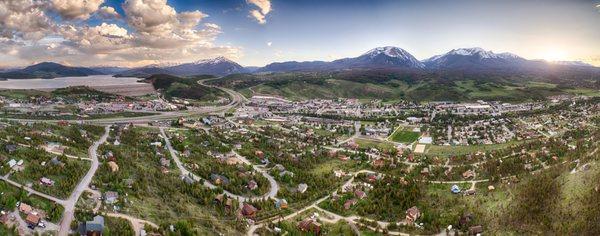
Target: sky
x=257, y=32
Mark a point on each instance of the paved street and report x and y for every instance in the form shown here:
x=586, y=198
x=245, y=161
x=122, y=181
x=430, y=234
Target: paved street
x=69, y=204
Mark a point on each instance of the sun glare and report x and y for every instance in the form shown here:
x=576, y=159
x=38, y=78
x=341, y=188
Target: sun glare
x=554, y=55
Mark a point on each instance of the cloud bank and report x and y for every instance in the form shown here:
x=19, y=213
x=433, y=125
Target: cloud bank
x=149, y=31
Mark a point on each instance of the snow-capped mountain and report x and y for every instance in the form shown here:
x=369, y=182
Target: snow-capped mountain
x=218, y=66
x=380, y=57
x=383, y=57
x=472, y=58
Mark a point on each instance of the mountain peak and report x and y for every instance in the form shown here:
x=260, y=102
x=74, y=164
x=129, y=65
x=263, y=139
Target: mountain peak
x=390, y=51
x=479, y=52
x=475, y=51
x=216, y=60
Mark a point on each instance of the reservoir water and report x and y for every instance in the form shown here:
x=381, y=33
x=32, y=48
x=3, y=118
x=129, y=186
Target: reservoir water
x=63, y=82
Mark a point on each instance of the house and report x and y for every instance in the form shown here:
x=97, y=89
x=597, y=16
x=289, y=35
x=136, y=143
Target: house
x=219, y=179
x=378, y=163
x=111, y=197
x=187, y=179
x=476, y=230
x=279, y=167
x=360, y=194
x=10, y=148
x=233, y=161
x=425, y=171
x=186, y=153
x=468, y=174
x=92, y=228
x=259, y=154
x=339, y=173
x=47, y=182
x=470, y=192
x=465, y=220
x=349, y=203
x=228, y=204
x=412, y=214
x=252, y=185
x=25, y=208
x=156, y=144
x=281, y=204
x=285, y=172
x=32, y=219
x=219, y=198
x=310, y=225
x=54, y=147
x=113, y=166
x=302, y=187
x=165, y=162
x=372, y=177
x=56, y=162
x=12, y=163
x=4, y=218
x=248, y=210
x=18, y=166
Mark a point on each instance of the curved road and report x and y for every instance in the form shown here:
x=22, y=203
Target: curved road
x=184, y=172
x=69, y=204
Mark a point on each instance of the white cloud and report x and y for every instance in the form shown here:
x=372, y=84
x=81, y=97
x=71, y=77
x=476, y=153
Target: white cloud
x=23, y=19
x=264, y=7
x=107, y=12
x=156, y=33
x=104, y=38
x=76, y=9
x=269, y=43
x=260, y=18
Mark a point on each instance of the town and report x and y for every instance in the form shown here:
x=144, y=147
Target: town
x=299, y=118
x=267, y=165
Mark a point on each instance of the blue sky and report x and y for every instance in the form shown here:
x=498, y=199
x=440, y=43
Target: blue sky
x=301, y=30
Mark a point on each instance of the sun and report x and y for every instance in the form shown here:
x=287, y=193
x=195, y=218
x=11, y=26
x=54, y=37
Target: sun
x=554, y=55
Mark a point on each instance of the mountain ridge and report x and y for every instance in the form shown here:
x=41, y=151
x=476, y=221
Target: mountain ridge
x=387, y=57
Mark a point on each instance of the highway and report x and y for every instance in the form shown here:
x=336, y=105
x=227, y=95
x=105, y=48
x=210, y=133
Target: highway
x=236, y=100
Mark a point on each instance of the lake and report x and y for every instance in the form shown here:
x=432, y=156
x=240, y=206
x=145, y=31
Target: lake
x=63, y=82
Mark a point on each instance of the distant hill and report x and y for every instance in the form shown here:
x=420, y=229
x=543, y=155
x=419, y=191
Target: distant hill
x=110, y=70
x=48, y=70
x=415, y=85
x=187, y=88
x=143, y=72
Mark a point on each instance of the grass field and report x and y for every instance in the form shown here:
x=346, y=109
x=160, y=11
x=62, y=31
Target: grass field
x=367, y=143
x=439, y=150
x=402, y=135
